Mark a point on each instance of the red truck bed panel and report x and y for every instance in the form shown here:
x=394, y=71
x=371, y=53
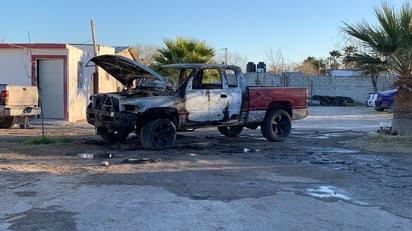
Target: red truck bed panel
x=261, y=97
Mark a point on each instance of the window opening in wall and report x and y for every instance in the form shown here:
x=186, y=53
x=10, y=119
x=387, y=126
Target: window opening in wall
x=80, y=79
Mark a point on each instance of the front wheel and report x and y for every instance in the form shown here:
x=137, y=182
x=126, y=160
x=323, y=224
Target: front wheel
x=277, y=125
x=158, y=134
x=112, y=136
x=230, y=131
x=7, y=122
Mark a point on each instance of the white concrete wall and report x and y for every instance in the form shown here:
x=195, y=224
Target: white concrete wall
x=356, y=87
x=15, y=67
x=106, y=83
x=79, y=97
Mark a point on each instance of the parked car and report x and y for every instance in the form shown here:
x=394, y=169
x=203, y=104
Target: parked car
x=384, y=99
x=370, y=101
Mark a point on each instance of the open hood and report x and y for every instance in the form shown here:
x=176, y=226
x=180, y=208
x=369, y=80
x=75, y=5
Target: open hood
x=124, y=69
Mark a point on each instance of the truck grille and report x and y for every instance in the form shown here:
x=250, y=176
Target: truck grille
x=106, y=103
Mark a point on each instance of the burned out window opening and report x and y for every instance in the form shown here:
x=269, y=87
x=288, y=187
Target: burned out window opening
x=231, y=78
x=208, y=79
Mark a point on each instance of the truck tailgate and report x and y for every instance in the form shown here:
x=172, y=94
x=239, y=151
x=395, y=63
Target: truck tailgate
x=22, y=95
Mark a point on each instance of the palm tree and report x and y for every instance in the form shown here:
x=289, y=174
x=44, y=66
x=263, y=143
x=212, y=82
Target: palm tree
x=347, y=52
x=313, y=66
x=369, y=64
x=391, y=40
x=184, y=51
x=335, y=54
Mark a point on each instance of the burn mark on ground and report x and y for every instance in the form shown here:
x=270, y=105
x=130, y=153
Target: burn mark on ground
x=45, y=219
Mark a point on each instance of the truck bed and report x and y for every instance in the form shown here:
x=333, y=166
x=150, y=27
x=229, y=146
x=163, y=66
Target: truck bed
x=293, y=100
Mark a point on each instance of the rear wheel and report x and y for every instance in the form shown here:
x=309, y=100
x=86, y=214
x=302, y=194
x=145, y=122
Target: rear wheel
x=277, y=125
x=230, y=131
x=158, y=134
x=7, y=122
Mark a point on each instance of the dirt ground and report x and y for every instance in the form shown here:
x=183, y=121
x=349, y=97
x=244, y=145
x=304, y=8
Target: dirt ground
x=83, y=151
x=205, y=165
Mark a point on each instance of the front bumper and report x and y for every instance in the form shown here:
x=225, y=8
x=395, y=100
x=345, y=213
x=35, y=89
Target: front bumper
x=111, y=120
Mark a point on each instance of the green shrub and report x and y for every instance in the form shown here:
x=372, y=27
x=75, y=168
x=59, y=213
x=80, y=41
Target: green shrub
x=46, y=140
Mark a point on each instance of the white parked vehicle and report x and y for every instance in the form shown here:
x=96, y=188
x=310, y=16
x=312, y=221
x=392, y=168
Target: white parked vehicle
x=370, y=101
x=18, y=102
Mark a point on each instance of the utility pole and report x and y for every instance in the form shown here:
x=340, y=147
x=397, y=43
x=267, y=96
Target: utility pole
x=96, y=72
x=225, y=56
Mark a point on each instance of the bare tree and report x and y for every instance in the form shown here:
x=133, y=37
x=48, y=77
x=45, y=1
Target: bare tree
x=233, y=58
x=146, y=53
x=275, y=61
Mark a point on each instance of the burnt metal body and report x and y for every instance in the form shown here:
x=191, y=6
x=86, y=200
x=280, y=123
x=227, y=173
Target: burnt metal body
x=189, y=95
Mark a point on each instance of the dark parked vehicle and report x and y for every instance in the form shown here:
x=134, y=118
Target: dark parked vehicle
x=333, y=100
x=384, y=99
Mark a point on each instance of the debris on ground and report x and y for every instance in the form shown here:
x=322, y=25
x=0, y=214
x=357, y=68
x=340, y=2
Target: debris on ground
x=143, y=160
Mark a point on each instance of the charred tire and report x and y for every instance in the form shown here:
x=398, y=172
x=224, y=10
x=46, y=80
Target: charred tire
x=230, y=131
x=277, y=125
x=114, y=136
x=158, y=134
x=7, y=122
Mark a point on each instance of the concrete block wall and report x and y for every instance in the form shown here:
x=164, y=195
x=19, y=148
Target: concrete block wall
x=356, y=87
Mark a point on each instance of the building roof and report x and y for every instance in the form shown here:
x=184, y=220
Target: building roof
x=121, y=48
x=33, y=45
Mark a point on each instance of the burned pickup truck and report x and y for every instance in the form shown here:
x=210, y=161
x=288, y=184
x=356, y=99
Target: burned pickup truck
x=178, y=97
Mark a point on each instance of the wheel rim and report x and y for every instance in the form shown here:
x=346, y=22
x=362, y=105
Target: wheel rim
x=279, y=125
x=162, y=135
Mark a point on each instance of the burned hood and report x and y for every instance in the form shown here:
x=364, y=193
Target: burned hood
x=124, y=69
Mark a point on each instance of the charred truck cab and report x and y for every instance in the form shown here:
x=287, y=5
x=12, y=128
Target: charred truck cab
x=156, y=105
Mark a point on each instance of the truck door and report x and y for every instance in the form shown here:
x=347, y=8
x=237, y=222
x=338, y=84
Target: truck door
x=234, y=94
x=206, y=100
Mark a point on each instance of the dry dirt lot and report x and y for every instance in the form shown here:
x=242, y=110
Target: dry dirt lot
x=328, y=151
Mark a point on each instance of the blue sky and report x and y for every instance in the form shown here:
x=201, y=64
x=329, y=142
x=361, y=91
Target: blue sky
x=296, y=28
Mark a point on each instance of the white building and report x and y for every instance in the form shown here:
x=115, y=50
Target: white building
x=59, y=70
x=346, y=72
